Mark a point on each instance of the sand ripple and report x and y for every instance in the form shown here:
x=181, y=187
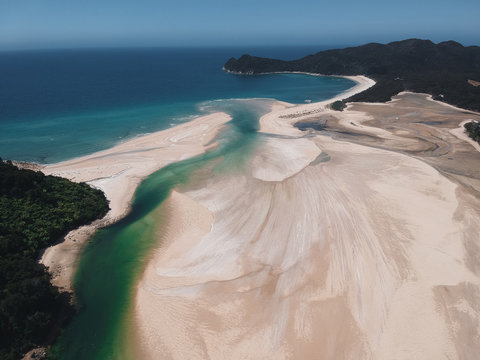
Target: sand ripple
x=359, y=257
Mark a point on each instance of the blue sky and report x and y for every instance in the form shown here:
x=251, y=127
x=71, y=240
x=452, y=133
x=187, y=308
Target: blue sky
x=28, y=24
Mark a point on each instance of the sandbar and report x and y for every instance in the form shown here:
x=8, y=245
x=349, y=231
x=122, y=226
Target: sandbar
x=359, y=241
x=118, y=172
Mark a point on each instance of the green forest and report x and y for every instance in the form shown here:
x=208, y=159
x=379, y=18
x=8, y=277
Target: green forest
x=36, y=211
x=445, y=70
x=472, y=128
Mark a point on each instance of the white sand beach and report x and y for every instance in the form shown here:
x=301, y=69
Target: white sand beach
x=283, y=115
x=118, y=172
x=325, y=249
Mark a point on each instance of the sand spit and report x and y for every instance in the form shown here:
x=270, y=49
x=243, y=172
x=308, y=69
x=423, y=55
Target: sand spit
x=118, y=171
x=280, y=120
x=368, y=251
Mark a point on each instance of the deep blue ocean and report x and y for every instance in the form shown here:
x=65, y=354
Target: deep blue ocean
x=59, y=104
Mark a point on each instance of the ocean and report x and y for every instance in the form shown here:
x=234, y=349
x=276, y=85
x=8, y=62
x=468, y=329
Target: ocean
x=55, y=105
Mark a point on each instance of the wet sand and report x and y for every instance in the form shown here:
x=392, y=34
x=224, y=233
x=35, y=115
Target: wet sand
x=118, y=172
x=359, y=241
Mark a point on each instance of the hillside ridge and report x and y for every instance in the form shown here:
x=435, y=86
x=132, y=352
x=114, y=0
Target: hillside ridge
x=444, y=70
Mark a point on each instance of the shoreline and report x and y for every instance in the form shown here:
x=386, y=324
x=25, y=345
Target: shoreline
x=279, y=121
x=362, y=82
x=62, y=258
x=375, y=247
x=117, y=172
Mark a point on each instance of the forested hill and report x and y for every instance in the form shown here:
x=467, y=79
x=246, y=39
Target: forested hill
x=443, y=69
x=35, y=212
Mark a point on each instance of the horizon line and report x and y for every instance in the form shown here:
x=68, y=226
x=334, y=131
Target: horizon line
x=212, y=46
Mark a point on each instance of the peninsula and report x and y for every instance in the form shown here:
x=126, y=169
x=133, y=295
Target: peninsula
x=448, y=71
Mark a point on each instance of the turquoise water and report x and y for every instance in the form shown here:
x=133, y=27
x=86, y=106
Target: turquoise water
x=58, y=105
x=114, y=259
x=55, y=105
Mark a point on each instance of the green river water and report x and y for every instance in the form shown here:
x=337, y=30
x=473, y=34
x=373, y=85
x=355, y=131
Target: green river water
x=115, y=258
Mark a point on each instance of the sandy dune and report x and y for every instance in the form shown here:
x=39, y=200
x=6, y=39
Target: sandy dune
x=358, y=242
x=118, y=171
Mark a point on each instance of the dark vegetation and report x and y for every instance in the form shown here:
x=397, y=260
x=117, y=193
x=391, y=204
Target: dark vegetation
x=36, y=211
x=473, y=130
x=306, y=125
x=443, y=69
x=338, y=105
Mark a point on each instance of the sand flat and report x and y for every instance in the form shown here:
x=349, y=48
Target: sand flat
x=460, y=133
x=359, y=241
x=367, y=254
x=118, y=171
x=279, y=121
x=278, y=159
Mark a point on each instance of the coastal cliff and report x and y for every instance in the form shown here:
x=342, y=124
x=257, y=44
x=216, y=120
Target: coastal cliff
x=445, y=70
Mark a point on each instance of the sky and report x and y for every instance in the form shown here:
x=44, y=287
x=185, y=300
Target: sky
x=34, y=24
